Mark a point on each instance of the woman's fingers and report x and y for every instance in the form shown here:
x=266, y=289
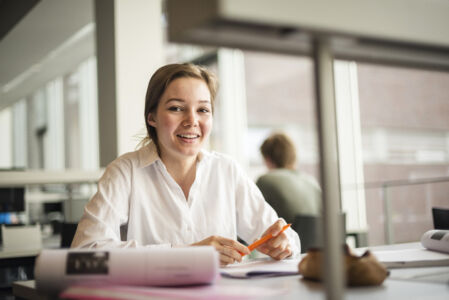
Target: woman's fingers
x=235, y=245
x=286, y=253
x=275, y=228
x=278, y=240
x=229, y=255
x=226, y=259
x=228, y=249
x=231, y=251
x=278, y=247
x=279, y=253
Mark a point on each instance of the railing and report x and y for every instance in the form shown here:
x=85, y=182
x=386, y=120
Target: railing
x=27, y=178
x=384, y=186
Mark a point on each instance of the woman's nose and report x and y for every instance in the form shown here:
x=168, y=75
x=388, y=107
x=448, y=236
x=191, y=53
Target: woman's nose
x=190, y=119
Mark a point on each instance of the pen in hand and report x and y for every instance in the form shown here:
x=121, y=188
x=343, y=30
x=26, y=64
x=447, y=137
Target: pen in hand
x=265, y=239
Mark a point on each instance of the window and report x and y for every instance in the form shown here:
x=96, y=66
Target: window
x=405, y=141
x=280, y=97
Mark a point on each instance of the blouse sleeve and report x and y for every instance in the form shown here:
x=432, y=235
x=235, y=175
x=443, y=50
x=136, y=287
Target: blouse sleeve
x=107, y=211
x=254, y=214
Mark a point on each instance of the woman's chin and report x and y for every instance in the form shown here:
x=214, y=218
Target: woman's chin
x=190, y=151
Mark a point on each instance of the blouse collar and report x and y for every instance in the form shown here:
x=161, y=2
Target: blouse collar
x=148, y=155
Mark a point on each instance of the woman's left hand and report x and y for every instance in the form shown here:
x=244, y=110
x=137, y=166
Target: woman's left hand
x=277, y=247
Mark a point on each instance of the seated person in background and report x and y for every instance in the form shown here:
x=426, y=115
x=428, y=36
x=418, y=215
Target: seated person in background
x=287, y=190
x=171, y=192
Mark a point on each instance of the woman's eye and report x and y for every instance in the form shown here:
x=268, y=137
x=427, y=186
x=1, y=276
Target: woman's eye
x=204, y=110
x=175, y=108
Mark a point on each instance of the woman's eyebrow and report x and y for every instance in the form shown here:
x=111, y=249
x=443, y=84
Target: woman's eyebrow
x=174, y=100
x=181, y=100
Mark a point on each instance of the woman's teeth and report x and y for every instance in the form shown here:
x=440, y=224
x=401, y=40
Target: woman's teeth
x=188, y=136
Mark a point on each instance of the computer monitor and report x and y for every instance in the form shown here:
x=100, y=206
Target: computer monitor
x=12, y=199
x=440, y=218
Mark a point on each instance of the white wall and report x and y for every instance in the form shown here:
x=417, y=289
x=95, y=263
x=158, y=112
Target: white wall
x=139, y=53
x=6, y=138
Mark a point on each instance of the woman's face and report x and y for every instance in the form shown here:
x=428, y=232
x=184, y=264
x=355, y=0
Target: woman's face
x=183, y=118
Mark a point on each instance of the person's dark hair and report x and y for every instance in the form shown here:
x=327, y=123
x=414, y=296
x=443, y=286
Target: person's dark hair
x=160, y=81
x=280, y=150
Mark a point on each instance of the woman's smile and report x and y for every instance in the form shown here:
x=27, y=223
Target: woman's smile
x=188, y=137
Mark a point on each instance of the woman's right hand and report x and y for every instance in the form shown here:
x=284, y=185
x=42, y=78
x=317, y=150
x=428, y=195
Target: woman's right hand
x=228, y=249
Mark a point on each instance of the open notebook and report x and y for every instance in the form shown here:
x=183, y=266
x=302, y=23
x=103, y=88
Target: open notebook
x=412, y=258
x=261, y=267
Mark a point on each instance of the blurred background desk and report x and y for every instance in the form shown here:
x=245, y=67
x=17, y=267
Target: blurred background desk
x=19, y=264
x=51, y=200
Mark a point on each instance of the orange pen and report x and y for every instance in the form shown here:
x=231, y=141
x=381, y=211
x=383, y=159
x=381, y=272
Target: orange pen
x=264, y=239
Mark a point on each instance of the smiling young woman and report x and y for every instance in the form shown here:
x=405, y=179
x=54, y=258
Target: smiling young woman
x=173, y=193
x=183, y=121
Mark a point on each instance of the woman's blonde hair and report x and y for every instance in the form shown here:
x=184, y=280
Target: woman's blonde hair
x=159, y=83
x=280, y=150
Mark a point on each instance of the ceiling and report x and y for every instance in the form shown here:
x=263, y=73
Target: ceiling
x=30, y=31
x=11, y=11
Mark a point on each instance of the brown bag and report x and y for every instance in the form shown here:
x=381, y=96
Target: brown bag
x=360, y=271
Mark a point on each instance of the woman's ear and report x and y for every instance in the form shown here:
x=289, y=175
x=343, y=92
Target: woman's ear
x=150, y=120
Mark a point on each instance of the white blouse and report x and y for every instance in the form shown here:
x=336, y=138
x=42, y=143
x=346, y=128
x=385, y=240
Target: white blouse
x=136, y=190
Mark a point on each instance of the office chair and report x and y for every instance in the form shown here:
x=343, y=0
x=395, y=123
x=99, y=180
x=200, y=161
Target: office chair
x=440, y=218
x=309, y=229
x=67, y=234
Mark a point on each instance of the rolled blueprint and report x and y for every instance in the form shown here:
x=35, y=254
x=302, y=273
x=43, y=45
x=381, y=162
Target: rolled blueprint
x=58, y=269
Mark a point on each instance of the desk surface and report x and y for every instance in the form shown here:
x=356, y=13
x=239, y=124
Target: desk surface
x=294, y=287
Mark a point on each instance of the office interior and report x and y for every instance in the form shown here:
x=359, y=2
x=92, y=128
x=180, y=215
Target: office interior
x=73, y=77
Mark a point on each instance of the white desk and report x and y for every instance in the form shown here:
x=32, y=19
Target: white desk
x=50, y=242
x=297, y=288
x=294, y=287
